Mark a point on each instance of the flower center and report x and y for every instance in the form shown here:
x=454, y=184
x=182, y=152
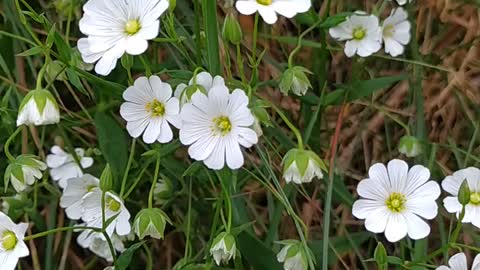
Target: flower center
x=112, y=204
x=90, y=188
x=396, y=202
x=9, y=240
x=388, y=31
x=222, y=125
x=475, y=198
x=265, y=2
x=155, y=108
x=132, y=27
x=359, y=33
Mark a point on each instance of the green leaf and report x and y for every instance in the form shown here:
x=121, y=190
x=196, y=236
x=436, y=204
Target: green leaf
x=335, y=19
x=75, y=80
x=63, y=48
x=124, y=260
x=50, y=37
x=211, y=31
x=256, y=253
x=32, y=51
x=113, y=144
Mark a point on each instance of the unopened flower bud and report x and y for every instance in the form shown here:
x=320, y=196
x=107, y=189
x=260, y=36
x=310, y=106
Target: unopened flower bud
x=23, y=172
x=410, y=146
x=38, y=107
x=295, y=79
x=223, y=248
x=464, y=193
x=106, y=179
x=293, y=255
x=150, y=222
x=301, y=166
x=232, y=32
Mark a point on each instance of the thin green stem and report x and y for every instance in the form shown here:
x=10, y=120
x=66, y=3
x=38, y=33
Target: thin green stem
x=132, y=187
x=299, y=42
x=290, y=125
x=62, y=229
x=253, y=79
x=7, y=144
x=129, y=164
x=154, y=181
x=456, y=232
x=41, y=74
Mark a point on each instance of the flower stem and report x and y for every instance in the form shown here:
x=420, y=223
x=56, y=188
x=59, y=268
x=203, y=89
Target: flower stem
x=154, y=181
x=253, y=79
x=41, y=74
x=62, y=229
x=129, y=164
x=290, y=125
x=7, y=144
x=456, y=232
x=299, y=42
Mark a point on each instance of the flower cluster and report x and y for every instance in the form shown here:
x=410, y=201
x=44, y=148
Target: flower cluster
x=364, y=34
x=212, y=121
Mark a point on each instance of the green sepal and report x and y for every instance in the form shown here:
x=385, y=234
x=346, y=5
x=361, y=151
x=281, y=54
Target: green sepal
x=229, y=242
x=218, y=238
x=317, y=160
x=302, y=160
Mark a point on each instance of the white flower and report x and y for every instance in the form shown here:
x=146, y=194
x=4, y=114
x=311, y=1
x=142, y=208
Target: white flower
x=301, y=166
x=12, y=246
x=63, y=166
x=115, y=27
x=292, y=257
x=362, y=33
x=38, y=108
x=216, y=125
x=268, y=9
x=395, y=199
x=459, y=262
x=202, y=82
x=451, y=184
x=396, y=32
x=223, y=248
x=150, y=109
x=97, y=243
x=23, y=171
x=92, y=212
x=74, y=193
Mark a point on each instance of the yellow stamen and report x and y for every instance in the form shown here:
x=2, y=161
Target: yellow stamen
x=132, y=27
x=155, y=108
x=222, y=125
x=396, y=202
x=359, y=33
x=9, y=240
x=264, y=2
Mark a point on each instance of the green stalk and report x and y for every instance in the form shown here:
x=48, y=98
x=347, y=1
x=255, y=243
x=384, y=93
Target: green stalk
x=129, y=164
x=62, y=229
x=211, y=31
x=8, y=142
x=154, y=181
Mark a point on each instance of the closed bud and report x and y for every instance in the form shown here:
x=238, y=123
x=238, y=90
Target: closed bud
x=223, y=248
x=293, y=255
x=464, y=194
x=38, y=108
x=106, y=179
x=301, y=166
x=380, y=256
x=295, y=80
x=410, y=146
x=232, y=32
x=172, y=4
x=150, y=222
x=23, y=172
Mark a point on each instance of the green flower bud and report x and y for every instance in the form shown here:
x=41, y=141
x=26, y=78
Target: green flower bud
x=150, y=222
x=106, y=179
x=293, y=255
x=410, y=146
x=464, y=193
x=38, y=108
x=23, y=172
x=295, y=79
x=301, y=166
x=380, y=256
x=172, y=4
x=223, y=248
x=232, y=32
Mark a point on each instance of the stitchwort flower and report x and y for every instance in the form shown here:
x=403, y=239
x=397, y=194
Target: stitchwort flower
x=394, y=200
x=268, y=9
x=12, y=246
